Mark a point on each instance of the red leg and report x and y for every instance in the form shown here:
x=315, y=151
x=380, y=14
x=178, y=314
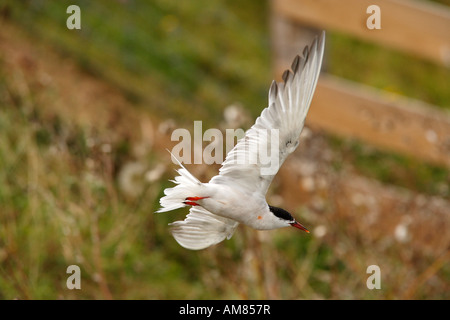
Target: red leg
x=190, y=200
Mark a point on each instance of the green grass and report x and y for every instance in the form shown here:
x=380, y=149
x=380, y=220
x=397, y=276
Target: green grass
x=389, y=168
x=153, y=50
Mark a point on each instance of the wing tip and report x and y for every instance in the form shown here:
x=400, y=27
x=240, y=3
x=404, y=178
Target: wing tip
x=273, y=91
x=299, y=62
x=295, y=64
x=287, y=76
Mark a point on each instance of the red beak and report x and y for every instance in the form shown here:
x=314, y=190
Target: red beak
x=297, y=225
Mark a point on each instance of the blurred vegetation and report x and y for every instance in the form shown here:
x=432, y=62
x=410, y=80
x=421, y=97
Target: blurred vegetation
x=61, y=199
x=168, y=53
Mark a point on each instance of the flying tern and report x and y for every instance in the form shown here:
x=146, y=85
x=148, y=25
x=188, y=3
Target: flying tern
x=237, y=194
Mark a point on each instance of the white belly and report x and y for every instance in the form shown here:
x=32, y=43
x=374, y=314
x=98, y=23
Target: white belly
x=234, y=203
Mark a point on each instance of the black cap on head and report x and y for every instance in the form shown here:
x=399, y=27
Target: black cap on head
x=281, y=213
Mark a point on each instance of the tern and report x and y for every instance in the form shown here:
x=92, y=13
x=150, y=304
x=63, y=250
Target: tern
x=237, y=194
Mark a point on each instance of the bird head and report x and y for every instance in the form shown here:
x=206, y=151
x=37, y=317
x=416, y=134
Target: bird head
x=287, y=218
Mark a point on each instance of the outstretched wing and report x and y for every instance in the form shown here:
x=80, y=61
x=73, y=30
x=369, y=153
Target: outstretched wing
x=257, y=157
x=202, y=229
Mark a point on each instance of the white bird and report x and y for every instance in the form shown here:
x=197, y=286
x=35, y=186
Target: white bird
x=237, y=194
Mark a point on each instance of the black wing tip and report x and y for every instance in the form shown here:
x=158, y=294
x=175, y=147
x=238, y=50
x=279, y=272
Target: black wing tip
x=316, y=45
x=299, y=62
x=306, y=52
x=287, y=74
x=273, y=91
x=295, y=64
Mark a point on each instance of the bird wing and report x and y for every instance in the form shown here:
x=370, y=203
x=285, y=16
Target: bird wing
x=202, y=229
x=257, y=157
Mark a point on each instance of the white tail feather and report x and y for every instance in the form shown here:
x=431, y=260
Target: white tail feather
x=187, y=185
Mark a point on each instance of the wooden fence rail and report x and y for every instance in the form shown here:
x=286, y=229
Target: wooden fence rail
x=345, y=108
x=417, y=27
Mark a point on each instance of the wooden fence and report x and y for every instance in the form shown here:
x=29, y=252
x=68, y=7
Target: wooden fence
x=346, y=108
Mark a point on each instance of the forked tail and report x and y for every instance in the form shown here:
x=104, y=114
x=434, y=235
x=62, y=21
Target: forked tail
x=201, y=228
x=187, y=185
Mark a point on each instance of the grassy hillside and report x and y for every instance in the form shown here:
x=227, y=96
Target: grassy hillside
x=181, y=59
x=189, y=62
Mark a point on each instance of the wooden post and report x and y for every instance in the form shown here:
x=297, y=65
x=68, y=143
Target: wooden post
x=349, y=109
x=421, y=28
